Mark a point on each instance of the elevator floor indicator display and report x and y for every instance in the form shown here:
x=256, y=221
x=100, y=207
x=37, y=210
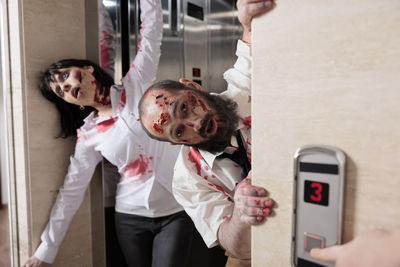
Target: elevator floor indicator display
x=319, y=176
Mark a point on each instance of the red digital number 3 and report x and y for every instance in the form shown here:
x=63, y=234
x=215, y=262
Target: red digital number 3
x=317, y=192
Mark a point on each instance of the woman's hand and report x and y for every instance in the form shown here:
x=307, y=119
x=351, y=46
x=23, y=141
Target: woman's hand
x=35, y=262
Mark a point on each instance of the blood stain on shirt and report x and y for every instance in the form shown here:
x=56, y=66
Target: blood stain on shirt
x=195, y=157
x=225, y=218
x=206, y=168
x=141, y=38
x=81, y=135
x=206, y=177
x=123, y=97
x=249, y=156
x=248, y=142
x=247, y=122
x=137, y=167
x=122, y=102
x=105, y=125
x=217, y=187
x=213, y=176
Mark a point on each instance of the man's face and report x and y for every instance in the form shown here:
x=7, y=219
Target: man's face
x=183, y=117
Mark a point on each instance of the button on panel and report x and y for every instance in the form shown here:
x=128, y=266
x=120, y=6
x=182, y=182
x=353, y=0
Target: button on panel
x=313, y=241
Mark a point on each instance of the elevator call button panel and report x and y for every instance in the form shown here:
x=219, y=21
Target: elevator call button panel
x=319, y=177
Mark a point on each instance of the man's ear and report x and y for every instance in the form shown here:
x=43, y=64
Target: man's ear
x=89, y=68
x=191, y=84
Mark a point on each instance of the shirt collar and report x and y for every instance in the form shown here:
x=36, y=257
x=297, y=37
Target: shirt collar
x=93, y=118
x=90, y=117
x=210, y=157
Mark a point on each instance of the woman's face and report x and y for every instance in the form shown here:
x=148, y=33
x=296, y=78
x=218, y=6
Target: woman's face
x=77, y=86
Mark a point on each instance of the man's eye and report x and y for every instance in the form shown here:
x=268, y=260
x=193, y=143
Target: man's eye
x=179, y=131
x=184, y=107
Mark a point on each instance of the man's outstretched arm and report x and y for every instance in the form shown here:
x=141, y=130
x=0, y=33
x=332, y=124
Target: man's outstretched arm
x=247, y=9
x=251, y=207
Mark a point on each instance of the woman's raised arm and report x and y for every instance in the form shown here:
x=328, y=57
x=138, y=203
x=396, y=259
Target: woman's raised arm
x=144, y=67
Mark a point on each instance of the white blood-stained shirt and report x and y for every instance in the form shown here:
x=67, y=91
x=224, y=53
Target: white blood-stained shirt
x=204, y=184
x=145, y=165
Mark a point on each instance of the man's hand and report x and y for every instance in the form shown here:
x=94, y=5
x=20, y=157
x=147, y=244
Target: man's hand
x=251, y=206
x=251, y=203
x=34, y=262
x=247, y=9
x=376, y=248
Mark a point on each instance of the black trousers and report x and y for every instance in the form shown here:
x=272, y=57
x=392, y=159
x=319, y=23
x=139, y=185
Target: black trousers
x=114, y=256
x=155, y=242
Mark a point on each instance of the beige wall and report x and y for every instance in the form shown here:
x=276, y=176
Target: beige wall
x=327, y=73
x=3, y=168
x=42, y=32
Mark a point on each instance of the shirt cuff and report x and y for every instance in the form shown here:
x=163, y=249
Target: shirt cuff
x=210, y=237
x=243, y=47
x=45, y=253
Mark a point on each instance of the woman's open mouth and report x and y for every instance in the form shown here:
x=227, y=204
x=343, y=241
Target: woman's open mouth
x=77, y=93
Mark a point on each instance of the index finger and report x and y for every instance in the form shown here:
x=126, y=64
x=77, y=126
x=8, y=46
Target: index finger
x=246, y=180
x=251, y=190
x=326, y=254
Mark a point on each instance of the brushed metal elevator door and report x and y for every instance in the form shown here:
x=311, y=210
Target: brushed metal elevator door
x=223, y=32
x=211, y=31
x=171, y=61
x=199, y=40
x=195, y=40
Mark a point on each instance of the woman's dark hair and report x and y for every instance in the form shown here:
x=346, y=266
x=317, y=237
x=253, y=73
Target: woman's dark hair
x=71, y=116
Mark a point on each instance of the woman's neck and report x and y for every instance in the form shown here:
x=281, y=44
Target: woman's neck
x=105, y=110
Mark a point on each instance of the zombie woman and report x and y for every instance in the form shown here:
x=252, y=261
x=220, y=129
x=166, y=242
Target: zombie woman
x=152, y=228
